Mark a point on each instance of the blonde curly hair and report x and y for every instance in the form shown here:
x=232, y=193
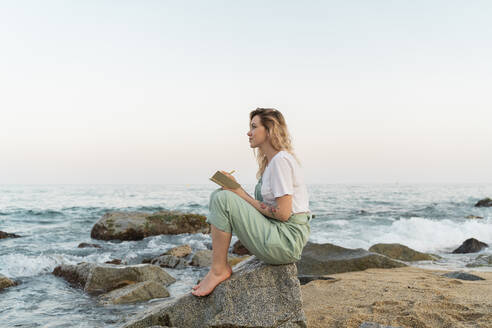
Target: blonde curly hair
x=275, y=125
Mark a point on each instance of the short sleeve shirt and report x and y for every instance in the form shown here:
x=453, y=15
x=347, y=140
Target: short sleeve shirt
x=283, y=176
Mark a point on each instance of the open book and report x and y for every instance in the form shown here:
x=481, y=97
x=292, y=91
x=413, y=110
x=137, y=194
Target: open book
x=224, y=181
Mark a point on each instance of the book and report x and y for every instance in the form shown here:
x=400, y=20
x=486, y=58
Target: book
x=224, y=181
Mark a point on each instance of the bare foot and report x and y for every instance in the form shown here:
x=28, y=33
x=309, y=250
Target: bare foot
x=211, y=280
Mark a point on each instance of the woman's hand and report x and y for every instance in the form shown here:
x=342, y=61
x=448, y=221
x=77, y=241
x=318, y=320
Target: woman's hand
x=238, y=191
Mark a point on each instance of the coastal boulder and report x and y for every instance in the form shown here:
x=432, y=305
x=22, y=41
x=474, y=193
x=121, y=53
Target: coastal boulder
x=138, y=225
x=400, y=252
x=256, y=295
x=486, y=202
x=6, y=282
x=102, y=278
x=322, y=259
x=470, y=246
x=169, y=261
x=180, y=251
x=132, y=293
x=8, y=235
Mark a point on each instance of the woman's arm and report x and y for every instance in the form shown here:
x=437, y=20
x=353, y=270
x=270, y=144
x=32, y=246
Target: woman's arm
x=281, y=212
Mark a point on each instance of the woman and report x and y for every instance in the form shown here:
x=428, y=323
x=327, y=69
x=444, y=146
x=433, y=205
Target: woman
x=274, y=226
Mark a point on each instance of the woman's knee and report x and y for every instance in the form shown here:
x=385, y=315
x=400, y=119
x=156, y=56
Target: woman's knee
x=220, y=196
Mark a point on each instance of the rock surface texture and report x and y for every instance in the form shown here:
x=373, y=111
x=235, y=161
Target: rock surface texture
x=103, y=278
x=486, y=202
x=8, y=235
x=400, y=252
x=470, y=246
x=141, y=291
x=138, y=225
x=321, y=259
x=256, y=295
x=6, y=282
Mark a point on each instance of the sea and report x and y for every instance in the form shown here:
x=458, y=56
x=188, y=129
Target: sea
x=54, y=219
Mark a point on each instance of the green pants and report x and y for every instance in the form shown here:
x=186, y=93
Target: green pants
x=270, y=240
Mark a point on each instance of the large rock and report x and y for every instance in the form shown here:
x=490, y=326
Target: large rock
x=462, y=276
x=322, y=259
x=486, y=202
x=102, y=278
x=169, y=261
x=138, y=225
x=179, y=251
x=400, y=252
x=141, y=291
x=470, y=246
x=6, y=282
x=8, y=235
x=256, y=295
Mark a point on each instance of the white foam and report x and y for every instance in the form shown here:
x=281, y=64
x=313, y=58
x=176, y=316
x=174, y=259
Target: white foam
x=19, y=265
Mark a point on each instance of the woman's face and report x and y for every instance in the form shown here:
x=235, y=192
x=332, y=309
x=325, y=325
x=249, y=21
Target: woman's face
x=257, y=133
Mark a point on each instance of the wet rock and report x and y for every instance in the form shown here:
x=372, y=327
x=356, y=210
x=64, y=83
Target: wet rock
x=102, y=278
x=169, y=261
x=8, y=235
x=470, y=246
x=6, y=282
x=275, y=290
x=462, y=276
x=400, y=252
x=480, y=261
x=239, y=249
x=472, y=217
x=138, y=225
x=486, y=202
x=132, y=293
x=203, y=258
x=114, y=261
x=322, y=259
x=85, y=245
x=180, y=251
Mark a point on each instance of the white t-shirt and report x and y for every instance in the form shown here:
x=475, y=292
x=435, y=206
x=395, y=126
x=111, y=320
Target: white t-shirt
x=281, y=177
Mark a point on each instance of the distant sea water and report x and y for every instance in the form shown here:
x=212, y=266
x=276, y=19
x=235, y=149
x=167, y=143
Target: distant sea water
x=54, y=219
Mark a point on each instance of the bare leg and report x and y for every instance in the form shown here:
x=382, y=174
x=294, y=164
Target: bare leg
x=220, y=269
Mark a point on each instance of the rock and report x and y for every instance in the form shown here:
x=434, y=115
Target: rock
x=103, y=278
x=114, y=261
x=180, y=251
x=322, y=259
x=471, y=217
x=203, y=258
x=169, y=261
x=8, y=235
x=470, y=246
x=486, y=202
x=400, y=252
x=84, y=245
x=239, y=249
x=481, y=260
x=462, y=275
x=133, y=293
x=256, y=295
x=138, y=225
x=6, y=282
x=367, y=324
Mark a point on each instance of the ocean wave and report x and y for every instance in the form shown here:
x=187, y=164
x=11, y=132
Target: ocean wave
x=20, y=265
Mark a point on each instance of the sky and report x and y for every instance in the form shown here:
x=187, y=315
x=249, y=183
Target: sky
x=159, y=92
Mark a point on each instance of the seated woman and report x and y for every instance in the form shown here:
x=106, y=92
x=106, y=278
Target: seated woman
x=274, y=226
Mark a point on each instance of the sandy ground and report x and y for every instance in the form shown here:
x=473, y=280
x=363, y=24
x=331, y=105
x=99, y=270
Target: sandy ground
x=404, y=297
